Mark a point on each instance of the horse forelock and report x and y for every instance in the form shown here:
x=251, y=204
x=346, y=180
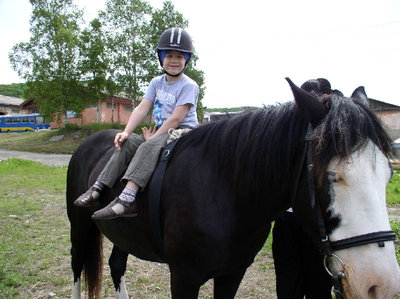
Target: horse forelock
x=347, y=127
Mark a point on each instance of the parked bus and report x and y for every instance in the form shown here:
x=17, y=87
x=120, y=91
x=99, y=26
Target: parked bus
x=22, y=123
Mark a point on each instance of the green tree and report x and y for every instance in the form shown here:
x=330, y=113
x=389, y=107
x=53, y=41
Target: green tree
x=126, y=23
x=48, y=62
x=134, y=28
x=94, y=64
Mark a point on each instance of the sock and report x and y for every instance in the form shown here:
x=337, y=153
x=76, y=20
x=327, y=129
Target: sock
x=128, y=195
x=98, y=185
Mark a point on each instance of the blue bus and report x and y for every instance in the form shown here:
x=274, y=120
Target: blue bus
x=22, y=123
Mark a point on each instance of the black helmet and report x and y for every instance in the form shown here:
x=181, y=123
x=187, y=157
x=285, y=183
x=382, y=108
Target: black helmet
x=175, y=39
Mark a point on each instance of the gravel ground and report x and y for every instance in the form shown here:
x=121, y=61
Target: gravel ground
x=47, y=159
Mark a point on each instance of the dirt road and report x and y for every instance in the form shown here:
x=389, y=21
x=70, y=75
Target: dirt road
x=47, y=159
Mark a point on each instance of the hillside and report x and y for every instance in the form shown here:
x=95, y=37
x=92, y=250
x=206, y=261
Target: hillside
x=13, y=90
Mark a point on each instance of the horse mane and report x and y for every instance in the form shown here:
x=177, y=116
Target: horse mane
x=346, y=128
x=254, y=147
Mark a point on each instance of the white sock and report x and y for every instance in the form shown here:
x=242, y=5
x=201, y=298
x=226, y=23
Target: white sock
x=128, y=195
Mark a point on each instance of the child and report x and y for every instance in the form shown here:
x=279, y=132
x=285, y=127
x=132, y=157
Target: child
x=173, y=97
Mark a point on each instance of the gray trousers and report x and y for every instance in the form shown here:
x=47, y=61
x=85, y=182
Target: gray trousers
x=138, y=157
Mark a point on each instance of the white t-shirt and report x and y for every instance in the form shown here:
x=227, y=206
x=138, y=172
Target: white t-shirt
x=166, y=95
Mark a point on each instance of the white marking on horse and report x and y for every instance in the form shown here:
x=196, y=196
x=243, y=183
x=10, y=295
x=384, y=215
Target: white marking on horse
x=76, y=293
x=359, y=198
x=122, y=293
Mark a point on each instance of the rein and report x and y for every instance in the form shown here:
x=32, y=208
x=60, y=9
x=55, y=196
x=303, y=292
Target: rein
x=326, y=246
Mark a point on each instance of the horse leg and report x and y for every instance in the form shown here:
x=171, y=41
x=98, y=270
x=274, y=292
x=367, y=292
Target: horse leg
x=117, y=262
x=225, y=287
x=182, y=287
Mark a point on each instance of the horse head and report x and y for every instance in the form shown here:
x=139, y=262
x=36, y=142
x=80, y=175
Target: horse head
x=345, y=192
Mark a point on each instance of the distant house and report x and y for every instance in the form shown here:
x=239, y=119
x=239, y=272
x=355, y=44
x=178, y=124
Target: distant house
x=11, y=105
x=122, y=110
x=216, y=116
x=389, y=115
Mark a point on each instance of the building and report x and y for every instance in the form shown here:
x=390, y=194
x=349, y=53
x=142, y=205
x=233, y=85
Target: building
x=216, y=116
x=114, y=109
x=389, y=115
x=11, y=105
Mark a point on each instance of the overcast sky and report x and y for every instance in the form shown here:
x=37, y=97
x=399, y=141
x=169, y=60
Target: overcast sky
x=247, y=48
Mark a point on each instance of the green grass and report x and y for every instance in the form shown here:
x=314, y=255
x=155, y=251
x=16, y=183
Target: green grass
x=393, y=189
x=33, y=228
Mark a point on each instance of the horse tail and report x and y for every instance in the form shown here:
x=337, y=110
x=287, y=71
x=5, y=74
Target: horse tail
x=93, y=264
x=86, y=238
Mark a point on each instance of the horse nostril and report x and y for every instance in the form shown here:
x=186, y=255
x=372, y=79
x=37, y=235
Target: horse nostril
x=372, y=292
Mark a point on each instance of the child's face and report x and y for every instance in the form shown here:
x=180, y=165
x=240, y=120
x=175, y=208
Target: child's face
x=174, y=62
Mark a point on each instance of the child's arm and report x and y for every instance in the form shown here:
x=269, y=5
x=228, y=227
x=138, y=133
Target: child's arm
x=174, y=120
x=137, y=116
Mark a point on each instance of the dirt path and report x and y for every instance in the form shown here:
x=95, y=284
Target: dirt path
x=47, y=159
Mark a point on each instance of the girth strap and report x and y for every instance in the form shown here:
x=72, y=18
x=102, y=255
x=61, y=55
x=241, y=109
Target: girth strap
x=155, y=194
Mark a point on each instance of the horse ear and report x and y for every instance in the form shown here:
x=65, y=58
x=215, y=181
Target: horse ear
x=308, y=104
x=360, y=96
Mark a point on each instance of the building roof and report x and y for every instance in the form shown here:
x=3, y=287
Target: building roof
x=10, y=101
x=379, y=106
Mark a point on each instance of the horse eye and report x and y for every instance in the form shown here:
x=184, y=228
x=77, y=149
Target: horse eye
x=333, y=177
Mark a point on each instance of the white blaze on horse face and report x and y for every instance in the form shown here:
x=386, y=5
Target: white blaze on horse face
x=359, y=199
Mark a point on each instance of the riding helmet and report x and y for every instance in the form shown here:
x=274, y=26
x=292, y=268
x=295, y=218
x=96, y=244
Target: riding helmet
x=174, y=39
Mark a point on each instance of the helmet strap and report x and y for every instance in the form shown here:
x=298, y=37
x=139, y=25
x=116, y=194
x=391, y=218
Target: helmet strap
x=177, y=75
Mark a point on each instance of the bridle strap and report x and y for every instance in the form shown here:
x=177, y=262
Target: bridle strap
x=315, y=204
x=376, y=237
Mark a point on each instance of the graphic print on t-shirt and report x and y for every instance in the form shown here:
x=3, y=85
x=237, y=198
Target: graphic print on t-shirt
x=157, y=109
x=163, y=106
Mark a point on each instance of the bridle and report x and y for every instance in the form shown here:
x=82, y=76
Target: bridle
x=328, y=247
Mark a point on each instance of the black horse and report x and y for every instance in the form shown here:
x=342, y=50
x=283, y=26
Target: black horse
x=226, y=182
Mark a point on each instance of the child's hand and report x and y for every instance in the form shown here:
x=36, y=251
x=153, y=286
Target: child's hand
x=119, y=139
x=148, y=133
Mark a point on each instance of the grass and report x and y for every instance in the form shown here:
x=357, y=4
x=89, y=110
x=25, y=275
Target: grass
x=393, y=189
x=33, y=228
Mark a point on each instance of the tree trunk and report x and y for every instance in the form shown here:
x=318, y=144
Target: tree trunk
x=112, y=109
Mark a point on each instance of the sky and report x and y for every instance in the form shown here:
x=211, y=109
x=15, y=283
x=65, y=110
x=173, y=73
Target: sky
x=247, y=48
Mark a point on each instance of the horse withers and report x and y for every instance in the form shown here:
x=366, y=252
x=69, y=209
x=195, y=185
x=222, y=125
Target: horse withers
x=226, y=182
